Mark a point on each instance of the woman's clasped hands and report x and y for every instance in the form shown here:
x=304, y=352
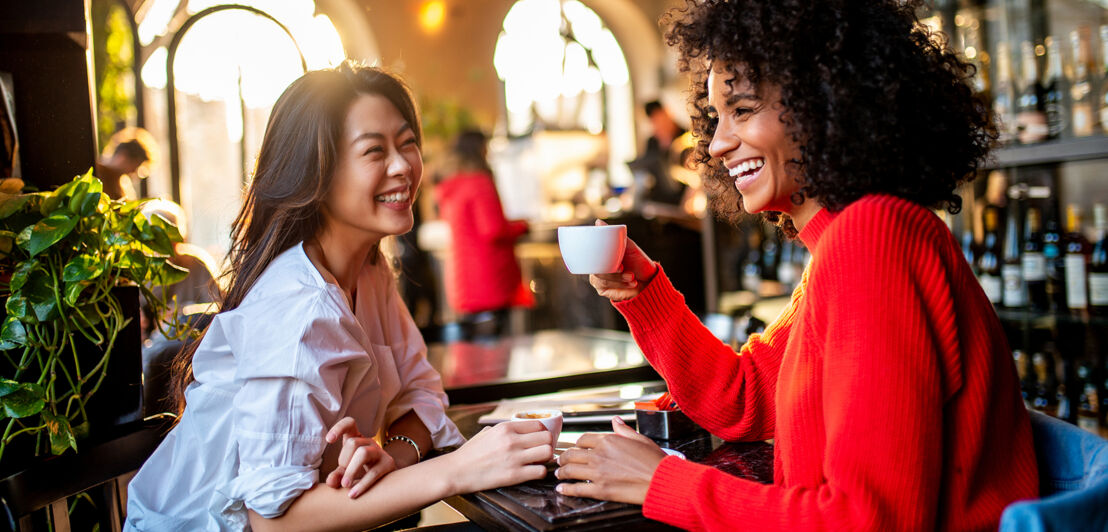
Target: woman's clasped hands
x=502, y=455
x=613, y=467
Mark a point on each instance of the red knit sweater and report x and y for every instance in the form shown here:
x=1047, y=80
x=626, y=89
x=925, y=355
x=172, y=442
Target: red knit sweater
x=887, y=385
x=483, y=272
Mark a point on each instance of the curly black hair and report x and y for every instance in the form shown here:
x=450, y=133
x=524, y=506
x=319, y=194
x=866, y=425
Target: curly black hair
x=874, y=101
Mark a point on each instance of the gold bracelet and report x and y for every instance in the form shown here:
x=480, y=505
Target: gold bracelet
x=403, y=438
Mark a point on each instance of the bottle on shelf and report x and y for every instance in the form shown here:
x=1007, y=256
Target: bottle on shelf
x=1033, y=263
x=1030, y=116
x=1088, y=404
x=1046, y=386
x=1004, y=95
x=1014, y=295
x=752, y=268
x=1053, y=254
x=1081, y=92
x=968, y=250
x=1098, y=263
x=1026, y=376
x=1056, y=92
x=989, y=263
x=1076, y=262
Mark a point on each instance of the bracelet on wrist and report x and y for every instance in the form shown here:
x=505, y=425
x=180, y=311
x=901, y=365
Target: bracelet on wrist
x=409, y=441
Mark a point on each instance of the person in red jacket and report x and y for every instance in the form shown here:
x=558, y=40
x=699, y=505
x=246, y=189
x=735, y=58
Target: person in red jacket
x=887, y=384
x=483, y=277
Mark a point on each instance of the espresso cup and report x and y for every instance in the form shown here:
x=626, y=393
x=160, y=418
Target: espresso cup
x=592, y=248
x=550, y=418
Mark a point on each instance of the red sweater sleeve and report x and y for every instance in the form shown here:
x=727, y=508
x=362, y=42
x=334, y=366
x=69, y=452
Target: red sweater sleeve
x=730, y=395
x=884, y=358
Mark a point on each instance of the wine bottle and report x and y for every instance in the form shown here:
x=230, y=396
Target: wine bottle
x=1087, y=406
x=1025, y=375
x=1033, y=263
x=1046, y=398
x=1056, y=93
x=1004, y=95
x=968, y=249
x=1011, y=274
x=1055, y=264
x=1029, y=107
x=1098, y=263
x=1084, y=121
x=989, y=265
x=1076, y=262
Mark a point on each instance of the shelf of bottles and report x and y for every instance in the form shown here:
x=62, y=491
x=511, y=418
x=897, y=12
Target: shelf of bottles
x=1043, y=67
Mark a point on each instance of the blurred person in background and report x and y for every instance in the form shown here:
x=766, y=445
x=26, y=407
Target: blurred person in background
x=658, y=157
x=483, y=276
x=132, y=152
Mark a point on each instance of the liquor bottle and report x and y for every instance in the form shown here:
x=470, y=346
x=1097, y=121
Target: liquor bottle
x=1055, y=264
x=1098, y=263
x=989, y=265
x=1014, y=295
x=1076, y=262
x=1084, y=121
x=1056, y=93
x=1102, y=101
x=1087, y=406
x=1029, y=107
x=968, y=250
x=1004, y=95
x=1033, y=263
x=1063, y=374
x=1026, y=376
x=1046, y=398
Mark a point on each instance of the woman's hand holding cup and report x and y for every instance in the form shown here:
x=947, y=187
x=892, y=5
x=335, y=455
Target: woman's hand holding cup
x=637, y=270
x=506, y=454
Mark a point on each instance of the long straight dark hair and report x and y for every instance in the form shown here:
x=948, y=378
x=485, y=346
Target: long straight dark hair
x=293, y=174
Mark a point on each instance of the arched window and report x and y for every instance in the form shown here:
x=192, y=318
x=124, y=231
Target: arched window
x=213, y=71
x=563, y=69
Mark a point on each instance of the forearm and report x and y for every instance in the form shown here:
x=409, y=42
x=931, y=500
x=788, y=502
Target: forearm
x=397, y=494
x=401, y=451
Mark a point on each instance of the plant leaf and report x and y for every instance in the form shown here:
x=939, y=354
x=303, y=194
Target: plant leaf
x=167, y=274
x=160, y=242
x=48, y=232
x=16, y=306
x=22, y=273
x=26, y=401
x=13, y=334
x=82, y=268
x=61, y=434
x=8, y=386
x=40, y=294
x=13, y=204
x=73, y=292
x=56, y=199
x=157, y=220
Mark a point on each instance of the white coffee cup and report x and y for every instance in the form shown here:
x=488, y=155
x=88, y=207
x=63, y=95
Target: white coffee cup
x=592, y=248
x=550, y=418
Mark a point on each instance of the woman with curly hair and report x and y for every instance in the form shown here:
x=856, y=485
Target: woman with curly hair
x=887, y=384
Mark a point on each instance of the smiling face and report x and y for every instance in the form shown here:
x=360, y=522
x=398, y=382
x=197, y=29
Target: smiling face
x=377, y=172
x=753, y=142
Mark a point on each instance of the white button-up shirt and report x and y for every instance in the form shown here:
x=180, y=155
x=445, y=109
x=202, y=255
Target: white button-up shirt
x=272, y=376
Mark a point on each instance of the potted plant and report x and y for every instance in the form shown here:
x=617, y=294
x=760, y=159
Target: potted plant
x=72, y=263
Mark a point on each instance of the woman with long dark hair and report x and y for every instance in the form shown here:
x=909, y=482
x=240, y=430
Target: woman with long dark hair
x=313, y=334
x=887, y=384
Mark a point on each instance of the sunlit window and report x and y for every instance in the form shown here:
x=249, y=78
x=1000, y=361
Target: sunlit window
x=564, y=70
x=230, y=66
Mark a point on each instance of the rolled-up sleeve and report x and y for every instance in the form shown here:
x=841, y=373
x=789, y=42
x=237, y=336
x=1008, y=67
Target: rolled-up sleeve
x=292, y=379
x=422, y=390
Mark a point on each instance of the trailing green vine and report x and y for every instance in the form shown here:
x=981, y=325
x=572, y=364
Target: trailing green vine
x=61, y=253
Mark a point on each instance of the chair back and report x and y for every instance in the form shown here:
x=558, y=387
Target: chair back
x=1073, y=481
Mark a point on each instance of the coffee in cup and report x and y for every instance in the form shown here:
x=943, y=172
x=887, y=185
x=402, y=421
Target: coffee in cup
x=550, y=418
